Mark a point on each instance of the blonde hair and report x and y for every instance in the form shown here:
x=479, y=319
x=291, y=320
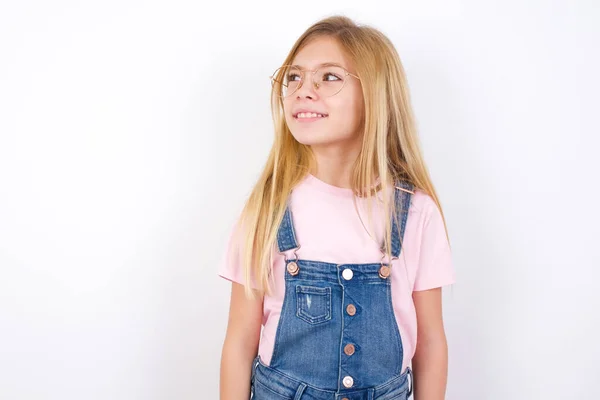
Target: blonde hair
x=390, y=149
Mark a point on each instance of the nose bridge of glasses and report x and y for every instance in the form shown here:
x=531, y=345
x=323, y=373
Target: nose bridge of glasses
x=314, y=85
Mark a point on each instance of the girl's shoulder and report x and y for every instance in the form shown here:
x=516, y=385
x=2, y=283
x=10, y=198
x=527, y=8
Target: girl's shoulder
x=422, y=203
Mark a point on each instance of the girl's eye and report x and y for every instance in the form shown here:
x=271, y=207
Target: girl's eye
x=329, y=74
x=293, y=76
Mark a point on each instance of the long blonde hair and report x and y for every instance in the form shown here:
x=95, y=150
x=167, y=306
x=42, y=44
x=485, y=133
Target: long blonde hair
x=390, y=148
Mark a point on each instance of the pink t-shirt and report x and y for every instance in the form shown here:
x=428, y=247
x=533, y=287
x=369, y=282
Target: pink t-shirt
x=328, y=228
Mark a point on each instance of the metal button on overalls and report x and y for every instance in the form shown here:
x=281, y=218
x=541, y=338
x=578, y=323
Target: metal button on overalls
x=349, y=349
x=351, y=309
x=384, y=271
x=292, y=268
x=348, y=381
x=347, y=274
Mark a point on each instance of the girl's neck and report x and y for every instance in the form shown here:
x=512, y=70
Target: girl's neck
x=336, y=176
x=334, y=168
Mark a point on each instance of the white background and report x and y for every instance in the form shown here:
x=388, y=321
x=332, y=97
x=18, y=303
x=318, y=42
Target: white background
x=132, y=131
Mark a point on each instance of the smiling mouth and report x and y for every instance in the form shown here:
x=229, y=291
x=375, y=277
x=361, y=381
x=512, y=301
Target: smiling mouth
x=309, y=117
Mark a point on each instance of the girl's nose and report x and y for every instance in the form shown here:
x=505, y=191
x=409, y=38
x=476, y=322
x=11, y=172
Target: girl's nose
x=308, y=88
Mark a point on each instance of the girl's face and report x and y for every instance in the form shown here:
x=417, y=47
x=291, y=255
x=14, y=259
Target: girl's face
x=341, y=124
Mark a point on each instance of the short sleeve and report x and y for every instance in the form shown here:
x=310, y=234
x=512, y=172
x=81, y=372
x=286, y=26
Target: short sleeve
x=435, y=267
x=231, y=267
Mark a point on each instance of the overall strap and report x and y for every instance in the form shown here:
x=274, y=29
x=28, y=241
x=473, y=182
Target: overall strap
x=402, y=197
x=286, y=236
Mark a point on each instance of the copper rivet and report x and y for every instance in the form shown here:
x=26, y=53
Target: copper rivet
x=384, y=271
x=293, y=268
x=351, y=310
x=349, y=349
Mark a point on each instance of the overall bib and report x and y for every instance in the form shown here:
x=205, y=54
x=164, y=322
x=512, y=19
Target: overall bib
x=337, y=337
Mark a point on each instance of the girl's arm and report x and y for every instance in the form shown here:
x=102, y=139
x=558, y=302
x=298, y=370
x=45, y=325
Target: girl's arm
x=430, y=363
x=241, y=344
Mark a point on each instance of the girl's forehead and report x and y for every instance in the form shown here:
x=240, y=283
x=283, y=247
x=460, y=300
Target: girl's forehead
x=319, y=52
x=318, y=65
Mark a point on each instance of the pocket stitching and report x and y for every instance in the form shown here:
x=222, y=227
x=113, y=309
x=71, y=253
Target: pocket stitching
x=265, y=387
x=398, y=396
x=320, y=291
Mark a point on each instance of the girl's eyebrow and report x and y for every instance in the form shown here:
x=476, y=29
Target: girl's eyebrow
x=325, y=64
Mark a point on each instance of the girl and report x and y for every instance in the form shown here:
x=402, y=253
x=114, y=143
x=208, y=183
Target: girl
x=342, y=248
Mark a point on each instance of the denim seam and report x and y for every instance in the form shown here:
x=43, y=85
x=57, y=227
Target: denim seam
x=284, y=396
x=277, y=372
x=286, y=300
x=300, y=391
x=395, y=396
x=396, y=328
x=390, y=383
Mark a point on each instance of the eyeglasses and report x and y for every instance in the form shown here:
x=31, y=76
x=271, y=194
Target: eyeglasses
x=328, y=80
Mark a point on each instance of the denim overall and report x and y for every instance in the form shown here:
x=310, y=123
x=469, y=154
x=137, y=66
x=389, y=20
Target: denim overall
x=337, y=337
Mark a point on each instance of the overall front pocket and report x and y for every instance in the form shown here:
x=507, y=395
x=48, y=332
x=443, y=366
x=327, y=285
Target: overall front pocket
x=313, y=303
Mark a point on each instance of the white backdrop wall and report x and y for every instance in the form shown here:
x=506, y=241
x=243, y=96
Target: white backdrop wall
x=131, y=132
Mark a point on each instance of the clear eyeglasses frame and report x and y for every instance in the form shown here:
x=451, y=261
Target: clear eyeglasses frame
x=288, y=79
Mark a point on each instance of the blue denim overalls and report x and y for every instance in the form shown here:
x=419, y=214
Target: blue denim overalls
x=337, y=337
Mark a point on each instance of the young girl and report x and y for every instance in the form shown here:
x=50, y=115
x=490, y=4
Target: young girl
x=341, y=250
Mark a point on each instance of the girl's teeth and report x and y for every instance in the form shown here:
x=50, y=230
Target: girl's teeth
x=309, y=115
